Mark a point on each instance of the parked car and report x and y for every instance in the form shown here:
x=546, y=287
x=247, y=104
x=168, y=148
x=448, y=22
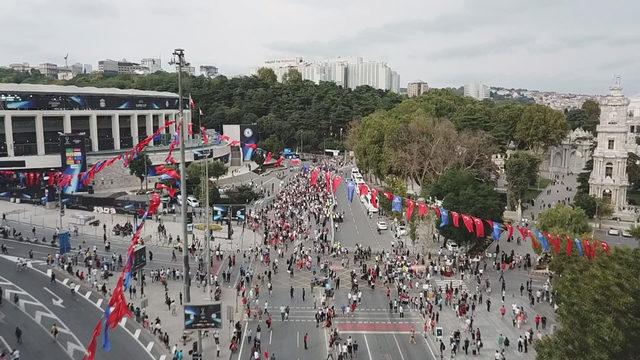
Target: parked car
x=626, y=233
x=192, y=201
x=382, y=225
x=401, y=230
x=614, y=232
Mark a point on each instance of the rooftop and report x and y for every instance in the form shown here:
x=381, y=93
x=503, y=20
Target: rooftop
x=60, y=89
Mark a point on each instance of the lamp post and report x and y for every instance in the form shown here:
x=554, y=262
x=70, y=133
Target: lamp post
x=178, y=59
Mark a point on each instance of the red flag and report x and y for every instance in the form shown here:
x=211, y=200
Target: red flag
x=569, y=246
x=437, y=211
x=279, y=161
x=586, y=248
x=534, y=241
x=313, y=180
x=410, y=203
x=374, y=198
x=327, y=181
x=388, y=195
x=363, y=189
x=509, y=231
x=605, y=247
x=91, y=348
x=203, y=131
x=594, y=245
x=422, y=209
x=190, y=129
x=455, y=217
x=336, y=182
x=479, y=227
x=523, y=232
x=268, y=158
x=468, y=222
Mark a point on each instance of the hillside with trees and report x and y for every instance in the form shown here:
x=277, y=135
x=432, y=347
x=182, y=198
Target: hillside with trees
x=287, y=114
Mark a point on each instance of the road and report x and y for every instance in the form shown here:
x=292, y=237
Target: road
x=45, y=303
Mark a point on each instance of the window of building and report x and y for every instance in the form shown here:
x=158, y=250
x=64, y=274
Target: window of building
x=611, y=144
x=608, y=170
x=632, y=129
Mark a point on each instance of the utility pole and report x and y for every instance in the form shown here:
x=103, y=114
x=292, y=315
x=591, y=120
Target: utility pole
x=207, y=231
x=178, y=58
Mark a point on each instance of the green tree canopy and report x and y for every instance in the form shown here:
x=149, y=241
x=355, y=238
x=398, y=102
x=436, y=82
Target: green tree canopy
x=592, y=109
x=541, y=127
x=139, y=165
x=598, y=312
x=564, y=220
x=460, y=191
x=521, y=169
x=267, y=75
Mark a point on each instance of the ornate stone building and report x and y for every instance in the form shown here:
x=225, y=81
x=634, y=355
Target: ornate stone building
x=609, y=175
x=571, y=155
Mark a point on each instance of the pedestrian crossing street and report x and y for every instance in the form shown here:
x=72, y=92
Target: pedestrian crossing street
x=361, y=316
x=456, y=283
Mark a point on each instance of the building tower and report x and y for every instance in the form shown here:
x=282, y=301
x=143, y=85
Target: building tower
x=609, y=175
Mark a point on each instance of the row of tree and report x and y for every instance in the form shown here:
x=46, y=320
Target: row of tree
x=292, y=113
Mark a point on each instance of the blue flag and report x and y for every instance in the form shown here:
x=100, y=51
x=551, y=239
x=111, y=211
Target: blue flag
x=497, y=230
x=543, y=241
x=444, y=217
x=106, y=343
x=351, y=187
x=396, y=204
x=579, y=246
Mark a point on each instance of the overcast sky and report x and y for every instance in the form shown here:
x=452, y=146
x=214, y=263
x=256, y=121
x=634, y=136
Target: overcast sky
x=572, y=46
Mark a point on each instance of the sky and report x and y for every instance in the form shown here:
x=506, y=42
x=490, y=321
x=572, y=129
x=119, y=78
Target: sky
x=568, y=46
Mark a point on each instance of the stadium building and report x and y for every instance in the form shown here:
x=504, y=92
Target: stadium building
x=32, y=117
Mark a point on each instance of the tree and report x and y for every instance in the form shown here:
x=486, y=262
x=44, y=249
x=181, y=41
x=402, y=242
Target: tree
x=272, y=144
x=217, y=168
x=633, y=171
x=592, y=110
x=460, y=191
x=578, y=118
x=587, y=203
x=564, y=220
x=138, y=166
x=267, y=75
x=541, y=127
x=292, y=76
x=598, y=308
x=214, y=194
x=521, y=169
x=603, y=210
x=196, y=174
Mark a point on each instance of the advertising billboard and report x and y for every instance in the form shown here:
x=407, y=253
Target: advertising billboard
x=221, y=212
x=248, y=140
x=207, y=316
x=39, y=101
x=74, y=159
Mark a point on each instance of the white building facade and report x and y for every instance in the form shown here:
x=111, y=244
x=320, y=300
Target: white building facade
x=349, y=73
x=609, y=178
x=477, y=91
x=153, y=64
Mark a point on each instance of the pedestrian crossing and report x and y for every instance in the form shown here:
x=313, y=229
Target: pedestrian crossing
x=455, y=283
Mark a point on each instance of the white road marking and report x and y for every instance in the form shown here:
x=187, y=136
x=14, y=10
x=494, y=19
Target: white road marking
x=137, y=333
x=162, y=357
x=65, y=281
x=366, y=343
x=86, y=296
x=99, y=302
x=123, y=321
x=5, y=343
x=57, y=301
x=149, y=346
x=429, y=347
x=398, y=345
x=270, y=336
x=244, y=333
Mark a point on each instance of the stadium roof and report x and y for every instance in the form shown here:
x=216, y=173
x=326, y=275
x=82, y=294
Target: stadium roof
x=60, y=89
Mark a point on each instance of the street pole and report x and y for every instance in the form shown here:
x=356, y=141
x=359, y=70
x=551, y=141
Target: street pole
x=179, y=54
x=206, y=231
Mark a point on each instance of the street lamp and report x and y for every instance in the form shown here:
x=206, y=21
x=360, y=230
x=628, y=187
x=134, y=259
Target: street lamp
x=178, y=59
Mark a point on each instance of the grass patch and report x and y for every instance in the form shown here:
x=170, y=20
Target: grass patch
x=212, y=227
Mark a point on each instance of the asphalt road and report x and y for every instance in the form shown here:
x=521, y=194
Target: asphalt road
x=46, y=303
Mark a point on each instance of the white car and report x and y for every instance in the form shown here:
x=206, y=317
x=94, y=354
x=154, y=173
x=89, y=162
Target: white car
x=451, y=246
x=381, y=225
x=613, y=232
x=192, y=201
x=626, y=233
x=401, y=230
x=355, y=171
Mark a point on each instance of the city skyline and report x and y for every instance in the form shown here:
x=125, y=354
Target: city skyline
x=565, y=47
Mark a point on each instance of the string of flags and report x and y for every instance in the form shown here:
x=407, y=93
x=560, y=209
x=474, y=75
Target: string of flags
x=542, y=241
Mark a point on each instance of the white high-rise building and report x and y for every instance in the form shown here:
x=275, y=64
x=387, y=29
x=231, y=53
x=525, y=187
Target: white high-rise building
x=417, y=88
x=344, y=72
x=476, y=90
x=153, y=64
x=609, y=178
x=209, y=71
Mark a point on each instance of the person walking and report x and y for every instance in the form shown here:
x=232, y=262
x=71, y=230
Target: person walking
x=54, y=332
x=306, y=337
x=18, y=333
